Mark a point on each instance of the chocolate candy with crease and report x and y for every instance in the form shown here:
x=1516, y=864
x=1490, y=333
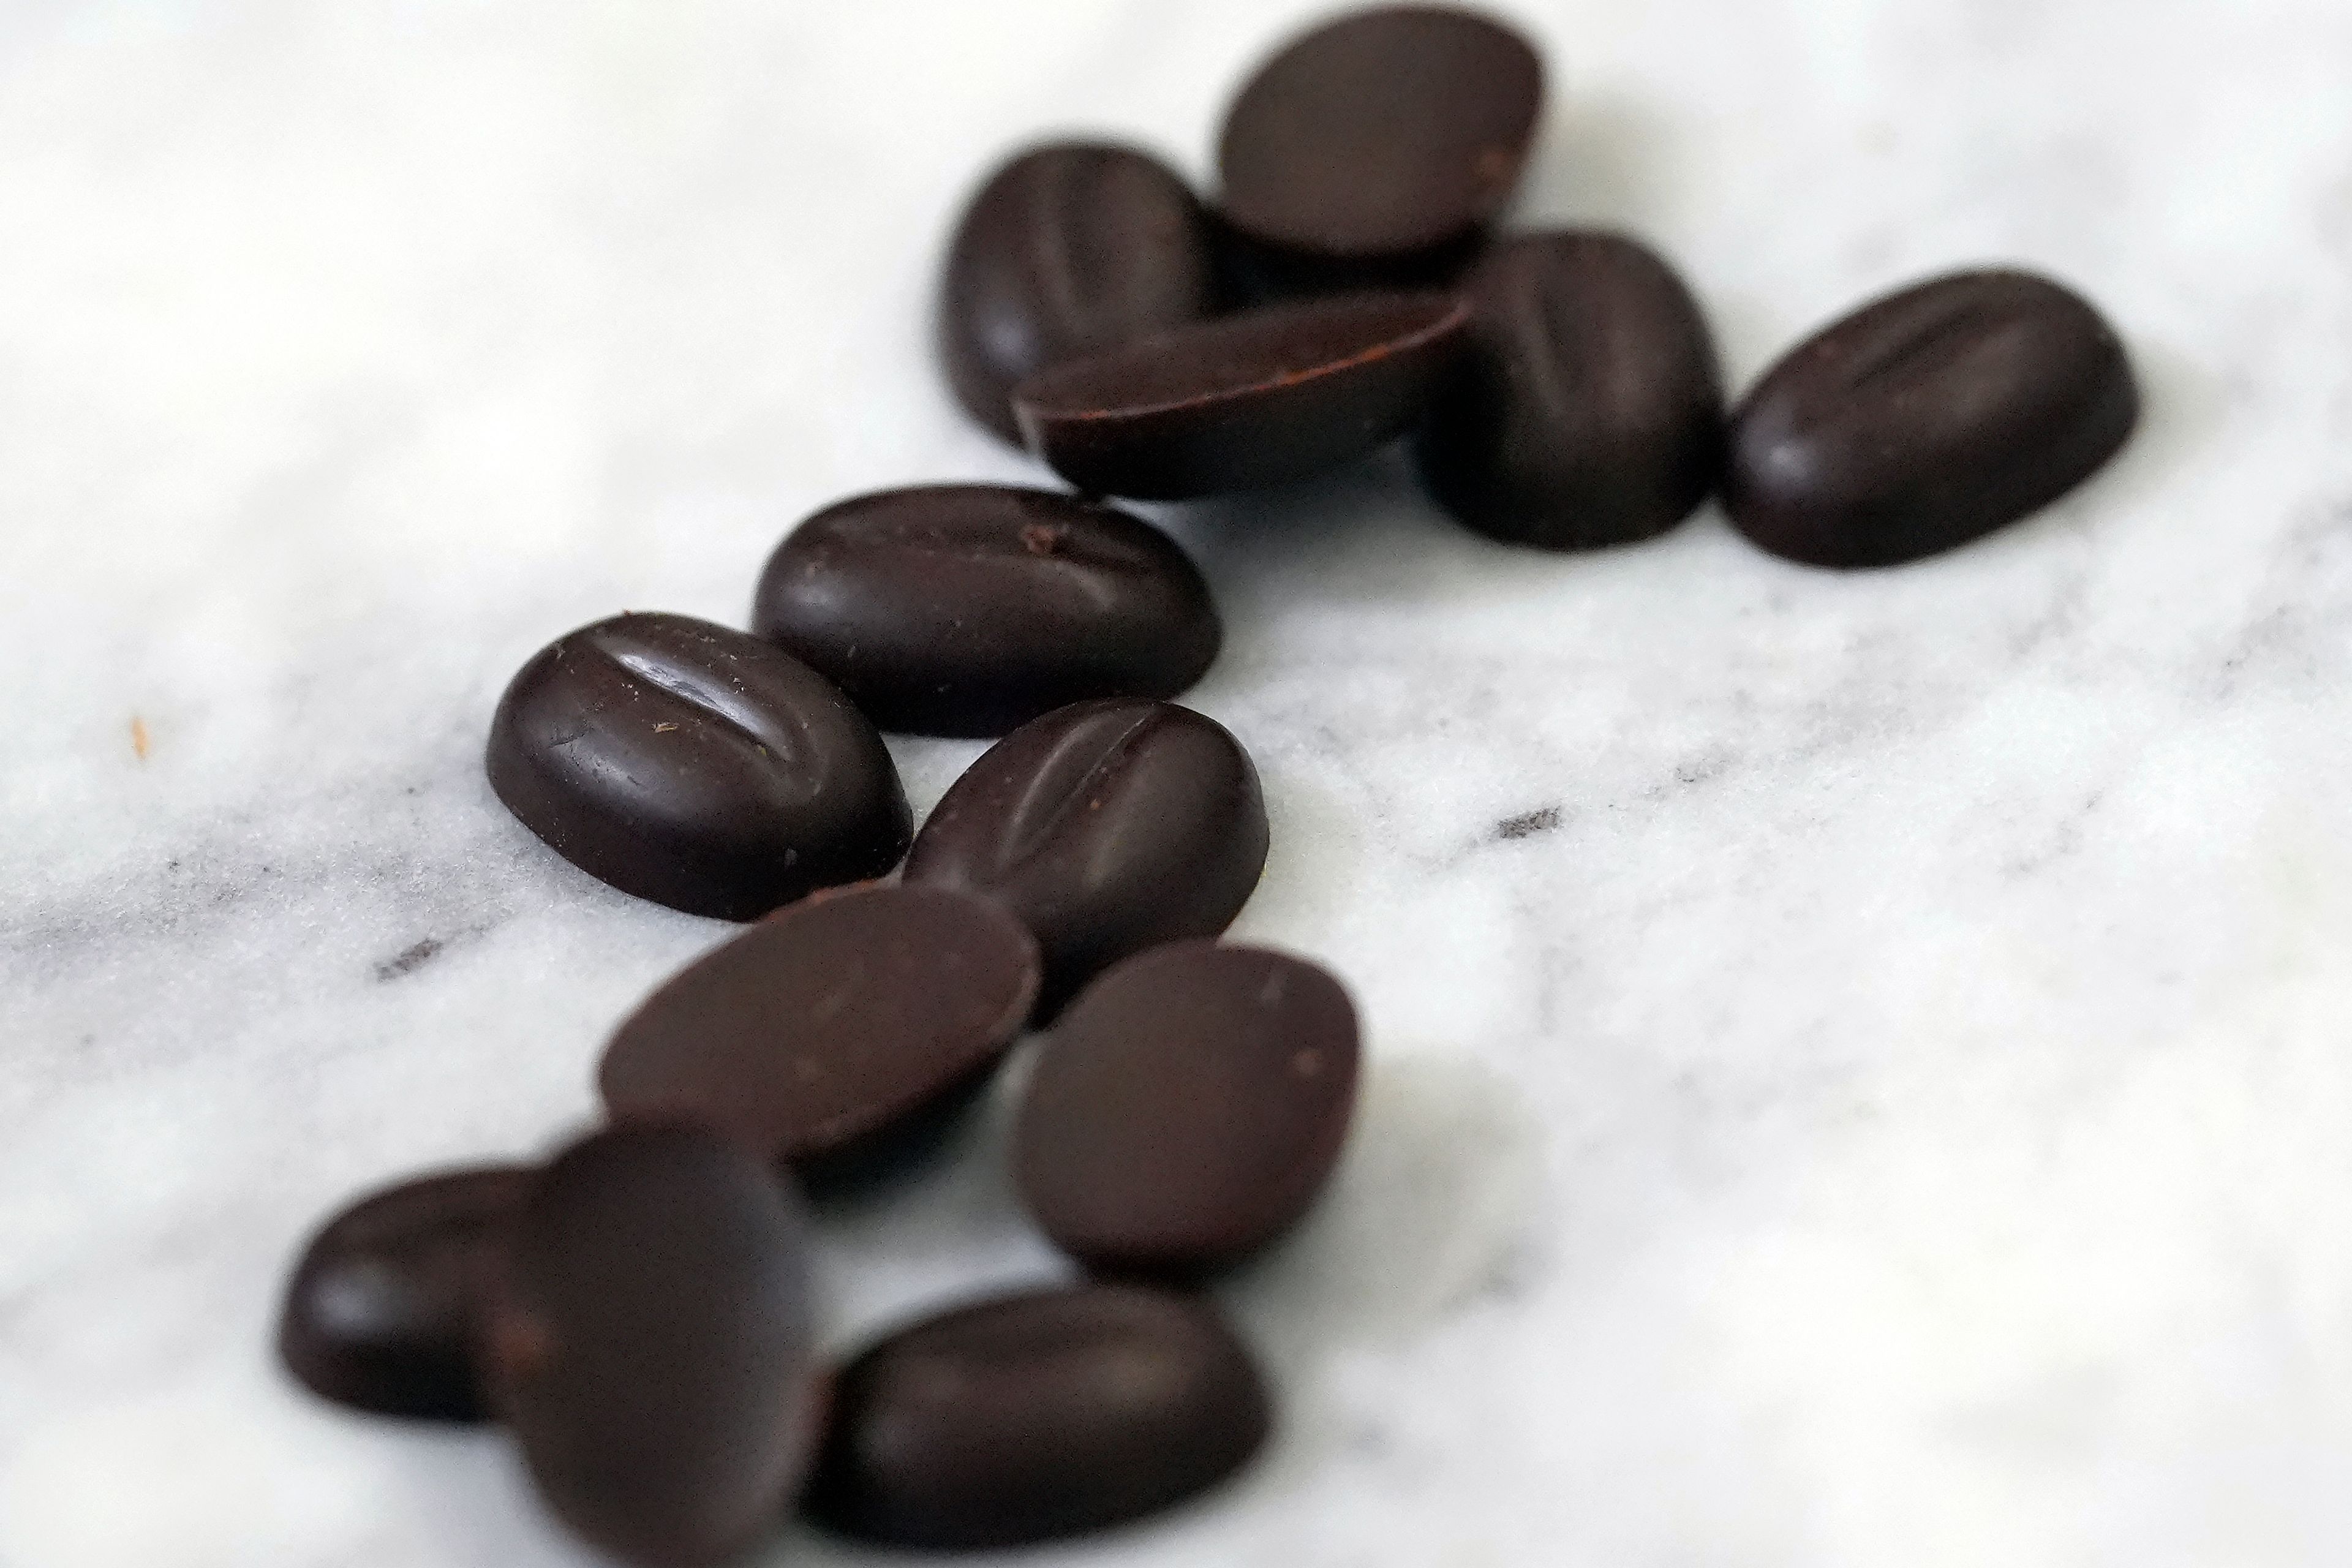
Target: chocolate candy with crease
x=1928, y=419
x=697, y=766
x=1035, y=1416
x=1108, y=828
x=1068, y=249
x=1588, y=410
x=649, y=1338
x=823, y=1034
x=1379, y=146
x=380, y=1313
x=969, y=609
x=1187, y=1108
x=1259, y=398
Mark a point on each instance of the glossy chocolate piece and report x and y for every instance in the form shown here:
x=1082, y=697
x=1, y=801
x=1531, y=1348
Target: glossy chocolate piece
x=1035, y=1416
x=969, y=609
x=1108, y=828
x=1259, y=398
x=697, y=766
x=649, y=1342
x=1928, y=419
x=380, y=1313
x=1187, y=1108
x=1381, y=143
x=1069, y=248
x=831, y=1024
x=1587, y=409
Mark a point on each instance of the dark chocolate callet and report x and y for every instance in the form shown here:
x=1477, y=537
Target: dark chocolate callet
x=1259, y=398
x=1928, y=418
x=649, y=1340
x=1587, y=409
x=379, y=1312
x=1380, y=143
x=1035, y=1416
x=969, y=609
x=695, y=765
x=1106, y=827
x=834, y=1026
x=1187, y=1108
x=1068, y=249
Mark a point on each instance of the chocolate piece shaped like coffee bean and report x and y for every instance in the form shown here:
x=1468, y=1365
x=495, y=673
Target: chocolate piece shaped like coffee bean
x=821, y=1031
x=1259, y=398
x=1108, y=828
x=1587, y=410
x=1928, y=419
x=649, y=1340
x=1386, y=138
x=1187, y=1108
x=1068, y=249
x=969, y=609
x=379, y=1312
x=697, y=766
x=1035, y=1416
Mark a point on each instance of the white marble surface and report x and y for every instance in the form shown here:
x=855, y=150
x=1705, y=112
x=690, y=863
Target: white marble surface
x=1896, y=1109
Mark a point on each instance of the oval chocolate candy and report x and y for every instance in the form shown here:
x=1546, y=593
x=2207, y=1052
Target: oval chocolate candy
x=834, y=1025
x=1069, y=247
x=1260, y=398
x=697, y=766
x=1587, y=409
x=1106, y=827
x=1187, y=1108
x=1380, y=142
x=648, y=1338
x=969, y=609
x=379, y=1312
x=1039, y=1415
x=1928, y=419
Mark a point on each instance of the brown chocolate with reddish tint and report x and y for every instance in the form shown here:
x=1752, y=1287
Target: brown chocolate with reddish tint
x=1259, y=398
x=1036, y=1416
x=1069, y=248
x=649, y=1340
x=1587, y=409
x=1108, y=828
x=697, y=766
x=825, y=1029
x=1381, y=143
x=1928, y=419
x=969, y=609
x=1187, y=1108
x=379, y=1312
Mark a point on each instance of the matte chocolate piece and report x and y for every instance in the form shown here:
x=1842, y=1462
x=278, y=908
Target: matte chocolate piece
x=379, y=1312
x=1035, y=1416
x=831, y=1024
x=1587, y=409
x=696, y=766
x=1187, y=1108
x=1387, y=139
x=969, y=609
x=1259, y=398
x=1108, y=828
x=649, y=1340
x=1928, y=419
x=1068, y=249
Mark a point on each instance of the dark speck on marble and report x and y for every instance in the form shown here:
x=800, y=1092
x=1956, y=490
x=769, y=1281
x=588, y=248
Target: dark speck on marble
x=410, y=959
x=1527, y=823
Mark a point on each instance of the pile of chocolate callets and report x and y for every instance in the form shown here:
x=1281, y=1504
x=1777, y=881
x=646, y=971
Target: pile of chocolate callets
x=637, y=1311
